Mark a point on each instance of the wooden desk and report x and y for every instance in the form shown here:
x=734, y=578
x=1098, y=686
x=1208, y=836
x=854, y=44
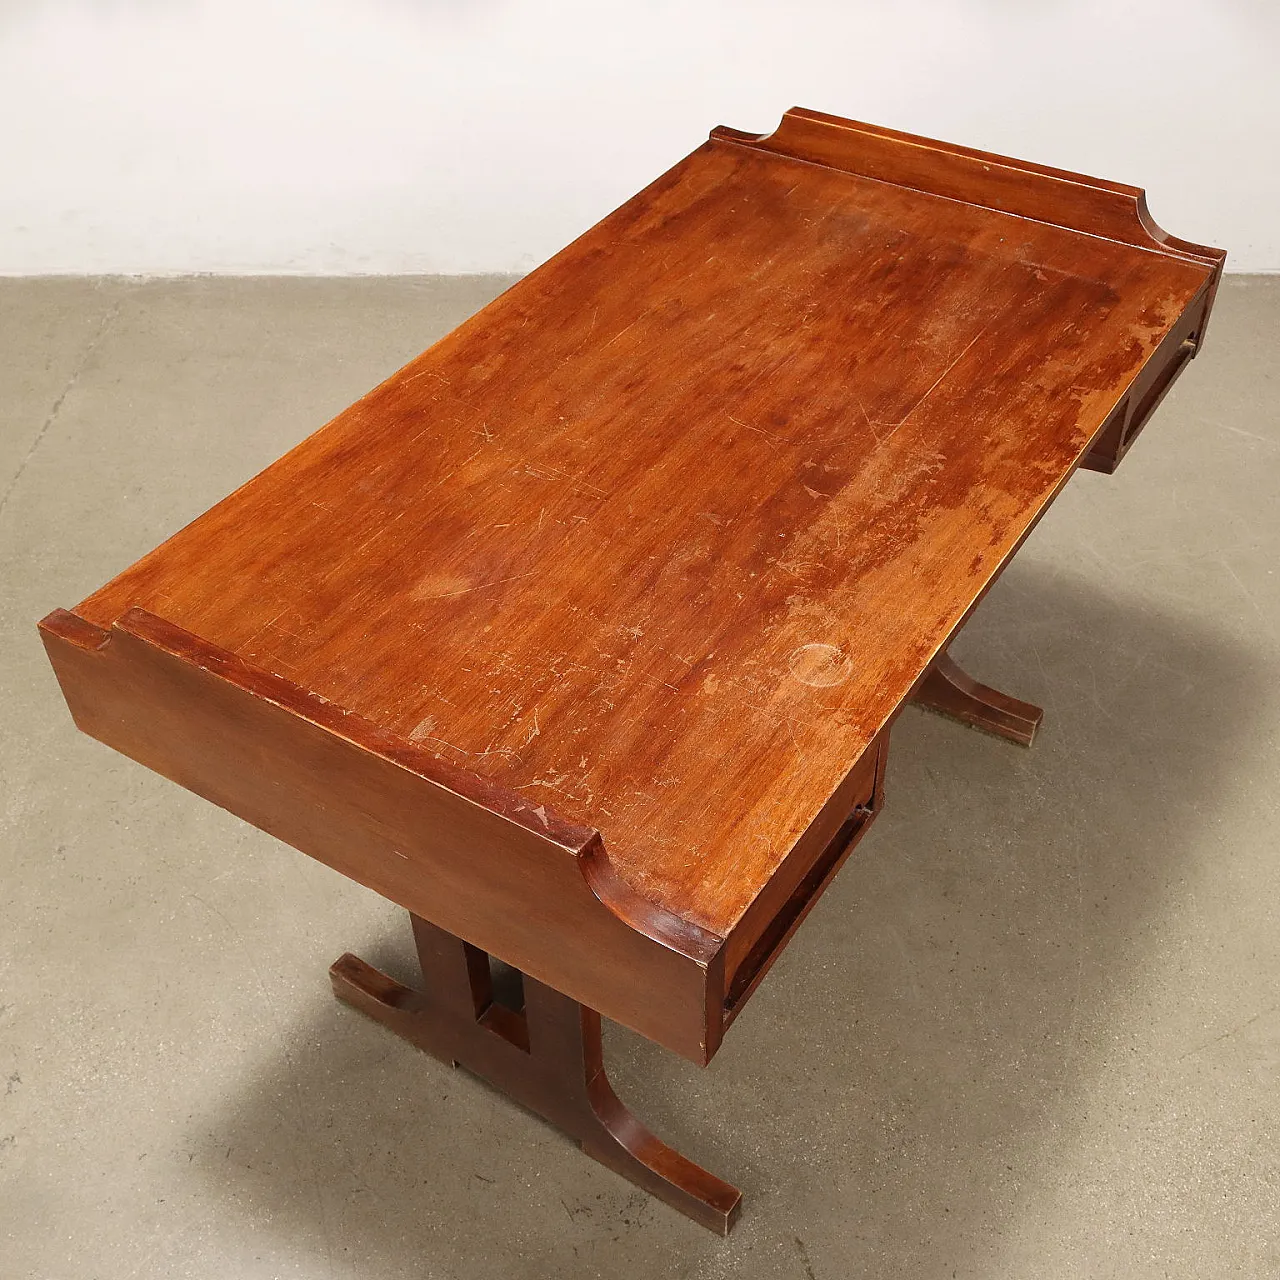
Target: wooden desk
x=581, y=636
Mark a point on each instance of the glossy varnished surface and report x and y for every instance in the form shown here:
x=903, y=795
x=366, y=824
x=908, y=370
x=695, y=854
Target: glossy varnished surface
x=664, y=536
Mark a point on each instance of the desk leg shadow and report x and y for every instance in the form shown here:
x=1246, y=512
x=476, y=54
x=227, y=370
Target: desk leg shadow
x=947, y=689
x=547, y=1055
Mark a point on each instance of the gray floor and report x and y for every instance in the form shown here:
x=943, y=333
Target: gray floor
x=1032, y=1031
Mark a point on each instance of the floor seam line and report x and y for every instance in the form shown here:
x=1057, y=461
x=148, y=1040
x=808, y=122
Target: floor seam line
x=52, y=416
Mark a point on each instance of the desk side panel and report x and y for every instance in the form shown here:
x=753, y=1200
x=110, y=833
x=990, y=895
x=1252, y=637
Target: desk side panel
x=245, y=740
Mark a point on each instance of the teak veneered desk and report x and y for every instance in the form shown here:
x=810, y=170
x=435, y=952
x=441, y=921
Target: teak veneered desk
x=581, y=636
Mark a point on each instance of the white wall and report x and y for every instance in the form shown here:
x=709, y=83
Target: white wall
x=169, y=136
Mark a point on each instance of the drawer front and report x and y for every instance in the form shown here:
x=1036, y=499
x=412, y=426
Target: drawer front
x=767, y=926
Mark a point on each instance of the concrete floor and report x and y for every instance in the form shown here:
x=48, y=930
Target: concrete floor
x=1032, y=1031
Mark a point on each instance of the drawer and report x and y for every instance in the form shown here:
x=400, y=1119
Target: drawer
x=767, y=925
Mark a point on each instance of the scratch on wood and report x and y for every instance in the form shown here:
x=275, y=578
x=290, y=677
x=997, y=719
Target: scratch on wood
x=480, y=586
x=760, y=431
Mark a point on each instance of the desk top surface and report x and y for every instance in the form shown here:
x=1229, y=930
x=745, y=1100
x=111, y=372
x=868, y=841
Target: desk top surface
x=662, y=537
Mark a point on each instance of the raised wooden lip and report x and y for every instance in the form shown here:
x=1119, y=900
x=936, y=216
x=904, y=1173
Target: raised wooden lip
x=634, y=909
x=1074, y=201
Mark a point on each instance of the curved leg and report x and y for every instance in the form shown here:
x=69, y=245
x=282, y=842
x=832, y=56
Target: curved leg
x=949, y=690
x=547, y=1056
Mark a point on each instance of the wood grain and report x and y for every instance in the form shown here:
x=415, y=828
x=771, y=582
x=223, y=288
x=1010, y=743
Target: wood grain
x=391, y=816
x=662, y=539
